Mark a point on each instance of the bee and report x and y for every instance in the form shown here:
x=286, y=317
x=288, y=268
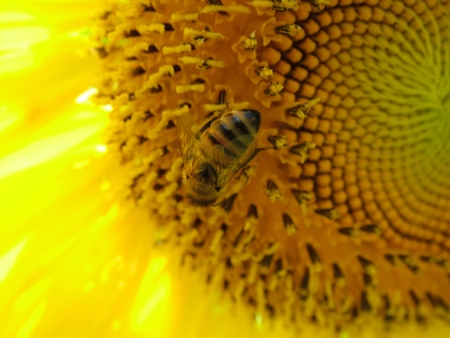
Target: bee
x=216, y=152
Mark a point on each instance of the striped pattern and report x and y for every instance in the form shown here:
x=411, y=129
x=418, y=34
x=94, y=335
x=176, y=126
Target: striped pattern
x=234, y=131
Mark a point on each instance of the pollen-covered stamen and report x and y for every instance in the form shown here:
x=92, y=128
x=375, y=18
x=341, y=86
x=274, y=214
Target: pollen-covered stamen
x=349, y=231
x=338, y=275
x=132, y=33
x=389, y=310
x=150, y=49
x=251, y=42
x=225, y=10
x=420, y=310
x=279, y=142
x=273, y=192
x=222, y=104
x=297, y=112
x=302, y=150
x=368, y=280
x=252, y=217
x=314, y=257
x=264, y=72
x=219, y=233
x=267, y=260
x=244, y=176
x=289, y=225
x=278, y=5
x=156, y=89
x=242, y=241
x=200, y=37
x=166, y=117
x=178, y=49
x=155, y=28
x=138, y=71
x=304, y=292
x=154, y=80
x=274, y=88
x=330, y=213
x=216, y=6
x=365, y=304
x=302, y=197
x=198, y=85
x=189, y=17
x=301, y=111
x=202, y=64
x=318, y=5
x=367, y=265
x=371, y=228
x=148, y=8
x=438, y=303
x=289, y=29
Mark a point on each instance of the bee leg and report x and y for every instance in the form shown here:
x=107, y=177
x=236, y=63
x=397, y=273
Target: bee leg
x=256, y=152
x=278, y=142
x=252, y=156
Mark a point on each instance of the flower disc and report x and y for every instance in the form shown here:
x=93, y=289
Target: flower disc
x=346, y=216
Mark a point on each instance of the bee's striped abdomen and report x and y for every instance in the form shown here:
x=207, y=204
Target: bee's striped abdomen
x=245, y=121
x=235, y=131
x=204, y=128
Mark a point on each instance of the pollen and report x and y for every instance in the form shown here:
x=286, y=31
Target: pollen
x=251, y=42
x=342, y=217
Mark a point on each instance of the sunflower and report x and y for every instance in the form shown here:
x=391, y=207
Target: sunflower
x=340, y=226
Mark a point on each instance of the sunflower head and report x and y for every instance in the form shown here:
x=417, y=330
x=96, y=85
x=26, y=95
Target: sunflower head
x=342, y=214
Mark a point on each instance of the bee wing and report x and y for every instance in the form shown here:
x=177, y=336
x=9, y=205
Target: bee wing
x=227, y=172
x=186, y=136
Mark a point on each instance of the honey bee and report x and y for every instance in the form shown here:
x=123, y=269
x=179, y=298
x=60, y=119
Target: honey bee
x=216, y=152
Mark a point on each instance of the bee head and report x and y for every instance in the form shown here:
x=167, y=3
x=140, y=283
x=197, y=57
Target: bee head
x=205, y=173
x=201, y=185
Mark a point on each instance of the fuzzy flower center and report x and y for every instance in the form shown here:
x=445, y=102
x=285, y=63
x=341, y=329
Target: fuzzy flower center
x=345, y=214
